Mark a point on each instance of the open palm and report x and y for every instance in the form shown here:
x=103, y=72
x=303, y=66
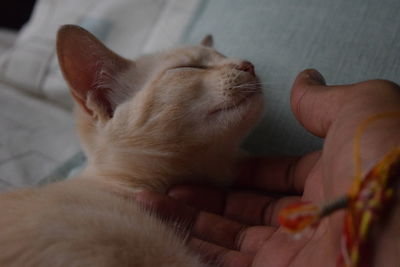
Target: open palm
x=239, y=227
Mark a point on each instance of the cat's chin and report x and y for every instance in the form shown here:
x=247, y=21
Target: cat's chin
x=238, y=104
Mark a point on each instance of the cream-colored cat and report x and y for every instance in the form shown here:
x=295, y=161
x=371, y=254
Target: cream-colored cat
x=162, y=119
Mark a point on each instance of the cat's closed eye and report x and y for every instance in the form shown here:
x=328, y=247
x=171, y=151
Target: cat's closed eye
x=192, y=67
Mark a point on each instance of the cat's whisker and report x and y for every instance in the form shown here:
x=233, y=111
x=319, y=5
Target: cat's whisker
x=261, y=84
x=250, y=90
x=247, y=86
x=258, y=85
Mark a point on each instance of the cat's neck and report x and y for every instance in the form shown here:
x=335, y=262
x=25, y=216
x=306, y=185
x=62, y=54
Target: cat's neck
x=149, y=158
x=155, y=169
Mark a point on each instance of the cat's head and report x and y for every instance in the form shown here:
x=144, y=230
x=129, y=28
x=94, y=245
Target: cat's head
x=191, y=102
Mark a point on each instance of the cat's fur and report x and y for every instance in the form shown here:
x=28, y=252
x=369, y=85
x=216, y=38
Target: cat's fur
x=162, y=119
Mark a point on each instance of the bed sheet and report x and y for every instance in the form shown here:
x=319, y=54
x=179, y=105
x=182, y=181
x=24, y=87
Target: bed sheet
x=35, y=137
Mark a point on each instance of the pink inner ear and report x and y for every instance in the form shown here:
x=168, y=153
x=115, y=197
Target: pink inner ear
x=82, y=59
x=81, y=101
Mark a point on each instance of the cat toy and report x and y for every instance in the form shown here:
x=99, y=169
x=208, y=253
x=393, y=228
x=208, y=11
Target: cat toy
x=364, y=204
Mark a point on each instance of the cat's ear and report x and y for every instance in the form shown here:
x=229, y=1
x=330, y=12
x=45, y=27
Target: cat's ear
x=208, y=41
x=90, y=69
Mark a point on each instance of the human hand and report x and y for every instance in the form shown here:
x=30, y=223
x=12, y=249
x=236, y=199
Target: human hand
x=239, y=227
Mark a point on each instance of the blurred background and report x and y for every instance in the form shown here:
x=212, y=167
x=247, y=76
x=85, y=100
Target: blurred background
x=348, y=41
x=15, y=13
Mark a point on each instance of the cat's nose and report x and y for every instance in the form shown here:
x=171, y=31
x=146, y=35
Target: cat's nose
x=246, y=66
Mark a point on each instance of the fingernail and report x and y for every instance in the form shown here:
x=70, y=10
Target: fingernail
x=315, y=76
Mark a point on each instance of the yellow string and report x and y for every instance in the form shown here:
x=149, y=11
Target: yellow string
x=357, y=142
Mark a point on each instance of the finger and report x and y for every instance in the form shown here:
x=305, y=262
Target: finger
x=245, y=207
x=276, y=174
x=252, y=208
x=230, y=234
x=269, y=249
x=314, y=104
x=206, y=226
x=216, y=229
x=219, y=255
x=282, y=248
x=206, y=198
x=253, y=238
x=224, y=237
x=167, y=208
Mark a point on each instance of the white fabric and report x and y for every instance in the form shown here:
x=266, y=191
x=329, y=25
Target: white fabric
x=7, y=39
x=126, y=26
x=35, y=137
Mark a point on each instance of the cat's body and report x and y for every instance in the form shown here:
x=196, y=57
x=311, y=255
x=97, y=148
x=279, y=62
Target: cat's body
x=166, y=118
x=82, y=223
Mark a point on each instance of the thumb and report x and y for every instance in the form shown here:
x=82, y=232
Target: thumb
x=315, y=104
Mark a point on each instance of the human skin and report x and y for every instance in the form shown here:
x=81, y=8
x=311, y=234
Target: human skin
x=239, y=227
